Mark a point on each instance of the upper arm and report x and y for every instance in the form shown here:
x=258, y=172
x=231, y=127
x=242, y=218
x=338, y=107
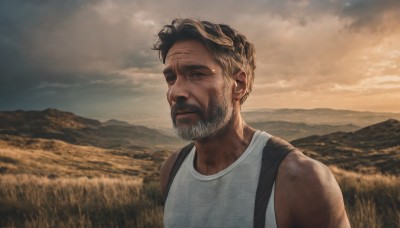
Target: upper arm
x=313, y=196
x=165, y=171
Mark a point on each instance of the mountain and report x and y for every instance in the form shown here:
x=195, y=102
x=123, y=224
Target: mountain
x=51, y=120
x=318, y=116
x=56, y=144
x=372, y=149
x=70, y=128
x=116, y=122
x=54, y=138
x=290, y=130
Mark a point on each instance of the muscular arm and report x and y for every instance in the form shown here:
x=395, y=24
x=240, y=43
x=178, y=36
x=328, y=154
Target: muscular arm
x=165, y=170
x=308, y=195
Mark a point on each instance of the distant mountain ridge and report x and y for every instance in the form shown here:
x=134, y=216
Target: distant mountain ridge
x=52, y=119
x=378, y=136
x=372, y=149
x=319, y=116
x=68, y=127
x=291, y=130
x=116, y=122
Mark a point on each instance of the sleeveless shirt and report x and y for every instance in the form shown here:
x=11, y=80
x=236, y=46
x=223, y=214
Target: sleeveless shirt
x=224, y=199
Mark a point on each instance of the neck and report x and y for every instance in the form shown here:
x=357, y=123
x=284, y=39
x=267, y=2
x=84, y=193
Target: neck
x=215, y=153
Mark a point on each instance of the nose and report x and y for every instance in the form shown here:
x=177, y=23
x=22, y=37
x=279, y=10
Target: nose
x=178, y=91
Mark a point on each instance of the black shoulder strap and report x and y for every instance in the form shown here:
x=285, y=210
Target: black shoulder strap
x=179, y=160
x=273, y=154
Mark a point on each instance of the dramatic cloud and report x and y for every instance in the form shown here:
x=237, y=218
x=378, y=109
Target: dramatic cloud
x=95, y=57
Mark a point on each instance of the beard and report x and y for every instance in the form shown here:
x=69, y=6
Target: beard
x=219, y=117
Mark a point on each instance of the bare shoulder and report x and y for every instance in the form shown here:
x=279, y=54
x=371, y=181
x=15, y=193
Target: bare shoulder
x=309, y=191
x=166, y=168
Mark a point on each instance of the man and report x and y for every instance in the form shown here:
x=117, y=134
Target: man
x=221, y=179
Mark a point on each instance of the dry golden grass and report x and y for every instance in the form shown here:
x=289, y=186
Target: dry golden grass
x=50, y=183
x=29, y=201
x=55, y=158
x=371, y=200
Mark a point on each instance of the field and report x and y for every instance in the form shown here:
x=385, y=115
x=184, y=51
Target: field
x=50, y=183
x=102, y=180
x=31, y=201
x=372, y=200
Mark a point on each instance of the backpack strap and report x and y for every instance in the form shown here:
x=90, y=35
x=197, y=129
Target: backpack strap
x=179, y=160
x=274, y=152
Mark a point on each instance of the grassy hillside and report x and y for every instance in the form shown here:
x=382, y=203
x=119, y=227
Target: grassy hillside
x=319, y=116
x=31, y=201
x=290, y=130
x=372, y=200
x=55, y=158
x=108, y=182
x=67, y=127
x=373, y=149
x=51, y=183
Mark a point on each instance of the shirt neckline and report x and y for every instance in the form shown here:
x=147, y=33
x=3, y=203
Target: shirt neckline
x=223, y=172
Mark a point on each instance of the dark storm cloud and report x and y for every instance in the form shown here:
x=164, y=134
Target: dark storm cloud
x=68, y=45
x=98, y=53
x=372, y=15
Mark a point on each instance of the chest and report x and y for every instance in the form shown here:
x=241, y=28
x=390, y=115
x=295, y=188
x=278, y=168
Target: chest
x=223, y=200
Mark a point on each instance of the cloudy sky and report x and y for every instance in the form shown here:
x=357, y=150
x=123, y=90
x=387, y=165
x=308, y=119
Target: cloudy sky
x=94, y=58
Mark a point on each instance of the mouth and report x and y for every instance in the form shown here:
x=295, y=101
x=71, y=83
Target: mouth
x=185, y=113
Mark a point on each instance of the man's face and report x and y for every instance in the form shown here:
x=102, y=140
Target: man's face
x=198, y=94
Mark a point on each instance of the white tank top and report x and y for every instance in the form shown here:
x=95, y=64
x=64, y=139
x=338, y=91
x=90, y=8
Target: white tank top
x=224, y=199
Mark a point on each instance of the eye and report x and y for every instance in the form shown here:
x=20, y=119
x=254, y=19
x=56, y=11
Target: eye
x=170, y=79
x=197, y=74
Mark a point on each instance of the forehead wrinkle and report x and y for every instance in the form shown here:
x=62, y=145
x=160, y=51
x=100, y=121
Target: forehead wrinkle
x=190, y=54
x=184, y=68
x=182, y=50
x=177, y=55
x=189, y=62
x=185, y=50
x=191, y=67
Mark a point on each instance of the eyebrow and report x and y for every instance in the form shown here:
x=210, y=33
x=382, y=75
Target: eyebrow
x=167, y=71
x=186, y=68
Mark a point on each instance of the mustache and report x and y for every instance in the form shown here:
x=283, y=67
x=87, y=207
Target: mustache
x=184, y=107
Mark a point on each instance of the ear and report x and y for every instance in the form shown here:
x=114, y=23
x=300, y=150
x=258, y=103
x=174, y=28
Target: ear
x=240, y=85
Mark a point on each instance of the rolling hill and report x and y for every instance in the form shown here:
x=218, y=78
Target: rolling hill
x=54, y=143
x=372, y=149
x=290, y=130
x=52, y=162
x=319, y=116
x=70, y=128
x=48, y=137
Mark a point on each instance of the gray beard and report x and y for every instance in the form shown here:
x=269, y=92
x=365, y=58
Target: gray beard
x=206, y=128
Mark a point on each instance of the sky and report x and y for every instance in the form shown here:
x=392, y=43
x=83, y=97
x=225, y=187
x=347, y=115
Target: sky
x=94, y=58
